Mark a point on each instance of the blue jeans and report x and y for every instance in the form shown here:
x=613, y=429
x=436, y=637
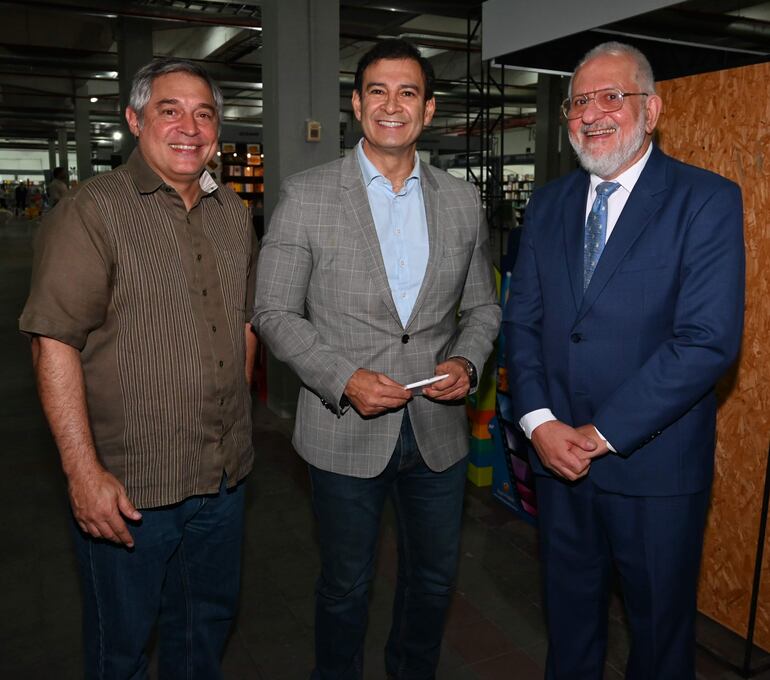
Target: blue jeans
x=183, y=573
x=348, y=509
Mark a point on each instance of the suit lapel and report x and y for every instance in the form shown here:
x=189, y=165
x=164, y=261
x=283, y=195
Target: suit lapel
x=643, y=203
x=430, y=195
x=358, y=214
x=573, y=216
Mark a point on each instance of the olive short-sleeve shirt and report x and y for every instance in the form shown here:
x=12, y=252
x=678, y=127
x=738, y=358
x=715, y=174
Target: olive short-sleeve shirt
x=155, y=298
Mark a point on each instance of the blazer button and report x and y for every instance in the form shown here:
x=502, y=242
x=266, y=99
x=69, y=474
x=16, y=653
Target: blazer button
x=405, y=338
x=576, y=337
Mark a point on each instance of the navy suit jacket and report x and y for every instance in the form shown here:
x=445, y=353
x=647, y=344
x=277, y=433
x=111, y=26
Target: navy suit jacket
x=639, y=353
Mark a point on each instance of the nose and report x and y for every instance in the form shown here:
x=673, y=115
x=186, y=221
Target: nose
x=188, y=124
x=592, y=112
x=391, y=103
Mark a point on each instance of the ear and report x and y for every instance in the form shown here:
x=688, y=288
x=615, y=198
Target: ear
x=430, y=109
x=654, y=105
x=133, y=121
x=356, y=101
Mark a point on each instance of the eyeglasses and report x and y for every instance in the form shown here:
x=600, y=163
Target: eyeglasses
x=607, y=100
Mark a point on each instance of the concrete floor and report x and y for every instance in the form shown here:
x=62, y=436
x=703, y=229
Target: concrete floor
x=495, y=628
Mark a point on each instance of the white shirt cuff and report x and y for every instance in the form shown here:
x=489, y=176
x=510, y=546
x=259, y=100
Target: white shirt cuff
x=529, y=421
x=604, y=439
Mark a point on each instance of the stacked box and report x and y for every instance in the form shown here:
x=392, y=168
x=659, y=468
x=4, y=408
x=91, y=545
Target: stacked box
x=481, y=409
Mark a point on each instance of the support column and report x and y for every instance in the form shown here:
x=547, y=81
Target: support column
x=134, y=51
x=547, y=128
x=51, y=154
x=300, y=67
x=82, y=132
x=63, y=159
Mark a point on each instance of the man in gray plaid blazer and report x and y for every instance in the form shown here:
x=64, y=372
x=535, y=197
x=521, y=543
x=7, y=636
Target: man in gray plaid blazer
x=375, y=273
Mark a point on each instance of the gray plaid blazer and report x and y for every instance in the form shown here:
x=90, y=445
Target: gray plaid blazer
x=324, y=307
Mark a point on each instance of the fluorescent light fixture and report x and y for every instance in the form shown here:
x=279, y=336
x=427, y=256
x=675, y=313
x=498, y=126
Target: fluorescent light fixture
x=94, y=100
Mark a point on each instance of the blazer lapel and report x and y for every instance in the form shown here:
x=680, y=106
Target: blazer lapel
x=643, y=203
x=356, y=207
x=573, y=217
x=430, y=196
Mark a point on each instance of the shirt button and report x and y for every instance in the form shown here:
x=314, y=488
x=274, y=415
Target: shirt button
x=398, y=232
x=213, y=329
x=205, y=292
x=198, y=257
x=405, y=338
x=576, y=337
x=221, y=363
x=402, y=263
x=168, y=190
x=221, y=402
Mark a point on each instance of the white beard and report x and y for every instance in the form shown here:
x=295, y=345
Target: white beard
x=608, y=165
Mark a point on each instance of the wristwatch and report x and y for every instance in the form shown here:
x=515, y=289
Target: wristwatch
x=470, y=369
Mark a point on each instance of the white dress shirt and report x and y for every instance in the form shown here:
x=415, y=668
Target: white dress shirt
x=615, y=204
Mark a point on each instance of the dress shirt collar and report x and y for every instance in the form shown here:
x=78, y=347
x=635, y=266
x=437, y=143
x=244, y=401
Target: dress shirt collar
x=370, y=172
x=148, y=181
x=628, y=178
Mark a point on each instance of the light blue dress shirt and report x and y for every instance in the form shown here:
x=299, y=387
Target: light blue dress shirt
x=402, y=229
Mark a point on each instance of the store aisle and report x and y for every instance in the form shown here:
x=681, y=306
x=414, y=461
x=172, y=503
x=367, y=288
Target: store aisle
x=495, y=630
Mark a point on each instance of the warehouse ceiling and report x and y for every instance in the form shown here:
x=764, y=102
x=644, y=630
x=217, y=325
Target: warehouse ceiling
x=54, y=51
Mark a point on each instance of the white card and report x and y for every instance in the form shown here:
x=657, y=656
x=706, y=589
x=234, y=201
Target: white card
x=416, y=387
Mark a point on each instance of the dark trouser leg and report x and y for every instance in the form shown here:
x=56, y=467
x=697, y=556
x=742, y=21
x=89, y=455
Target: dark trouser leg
x=657, y=544
x=429, y=511
x=121, y=596
x=348, y=511
x=200, y=596
x=575, y=558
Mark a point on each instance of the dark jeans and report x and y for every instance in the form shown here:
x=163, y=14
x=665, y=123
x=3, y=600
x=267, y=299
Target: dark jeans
x=183, y=572
x=348, y=509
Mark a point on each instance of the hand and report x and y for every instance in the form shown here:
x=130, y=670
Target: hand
x=591, y=432
x=372, y=393
x=99, y=503
x=562, y=449
x=456, y=386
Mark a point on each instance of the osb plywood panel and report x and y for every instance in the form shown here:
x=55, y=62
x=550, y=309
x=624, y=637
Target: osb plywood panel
x=721, y=121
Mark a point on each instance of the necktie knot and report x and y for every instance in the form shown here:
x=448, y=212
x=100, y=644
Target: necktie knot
x=606, y=189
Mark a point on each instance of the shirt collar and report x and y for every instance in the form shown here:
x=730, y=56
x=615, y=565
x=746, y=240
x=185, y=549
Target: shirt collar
x=370, y=172
x=628, y=178
x=148, y=181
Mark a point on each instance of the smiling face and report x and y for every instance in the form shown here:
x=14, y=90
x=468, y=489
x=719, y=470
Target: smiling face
x=179, y=130
x=392, y=109
x=607, y=144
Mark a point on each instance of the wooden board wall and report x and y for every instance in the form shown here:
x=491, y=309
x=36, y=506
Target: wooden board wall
x=721, y=121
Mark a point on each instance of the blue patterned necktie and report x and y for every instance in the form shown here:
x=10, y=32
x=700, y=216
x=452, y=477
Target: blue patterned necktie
x=596, y=230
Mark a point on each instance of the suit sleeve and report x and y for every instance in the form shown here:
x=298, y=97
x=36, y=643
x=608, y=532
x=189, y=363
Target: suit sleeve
x=522, y=326
x=479, y=309
x=706, y=333
x=283, y=276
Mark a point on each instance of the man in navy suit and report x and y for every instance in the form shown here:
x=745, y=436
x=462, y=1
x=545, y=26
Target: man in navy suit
x=626, y=307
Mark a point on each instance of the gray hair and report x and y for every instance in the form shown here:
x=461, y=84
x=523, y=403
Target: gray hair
x=141, y=87
x=644, y=77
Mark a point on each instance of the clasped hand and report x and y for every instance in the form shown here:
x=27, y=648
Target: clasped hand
x=567, y=451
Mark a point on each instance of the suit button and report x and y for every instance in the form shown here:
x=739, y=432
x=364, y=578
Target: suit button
x=576, y=337
x=405, y=338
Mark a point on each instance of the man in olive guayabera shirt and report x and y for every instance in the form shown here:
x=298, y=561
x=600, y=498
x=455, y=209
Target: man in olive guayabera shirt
x=142, y=282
